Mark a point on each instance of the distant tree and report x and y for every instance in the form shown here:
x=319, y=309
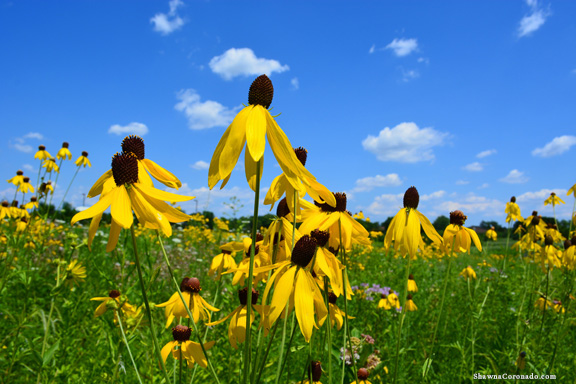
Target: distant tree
x=441, y=223
x=386, y=223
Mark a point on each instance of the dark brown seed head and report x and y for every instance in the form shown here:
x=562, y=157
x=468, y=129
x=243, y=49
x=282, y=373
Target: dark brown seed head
x=340, y=203
x=114, y=293
x=383, y=296
x=261, y=92
x=84, y=153
x=24, y=220
x=19, y=173
x=33, y=199
x=225, y=252
x=26, y=179
x=181, y=333
x=14, y=203
x=363, y=374
x=573, y=240
x=548, y=240
x=65, y=144
x=135, y=145
x=409, y=297
x=259, y=237
x=522, y=354
x=41, y=148
x=192, y=285
x=5, y=204
x=411, y=198
x=513, y=199
x=551, y=226
x=282, y=210
x=332, y=298
x=536, y=220
x=49, y=182
x=256, y=250
x=183, y=283
x=534, y=213
x=125, y=168
x=243, y=296
x=410, y=277
x=316, y=369
x=567, y=244
x=457, y=217
x=301, y=154
x=334, y=251
x=321, y=237
x=304, y=251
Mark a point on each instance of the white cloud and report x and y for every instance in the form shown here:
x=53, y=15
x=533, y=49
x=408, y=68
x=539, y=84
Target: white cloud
x=484, y=186
x=369, y=183
x=409, y=74
x=243, y=62
x=295, y=83
x=28, y=167
x=372, y=49
x=200, y=165
x=170, y=22
x=130, y=129
x=33, y=135
x=474, y=167
x=462, y=182
x=557, y=146
x=533, y=21
x=386, y=204
x=486, y=153
x=23, y=147
x=471, y=204
x=405, y=143
x=515, y=177
x=403, y=47
x=203, y=114
x=213, y=200
x=424, y=60
x=434, y=195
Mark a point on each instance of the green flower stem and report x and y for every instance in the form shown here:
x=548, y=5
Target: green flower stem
x=545, y=299
x=446, y=278
x=67, y=189
x=248, y=340
x=287, y=348
x=56, y=184
x=564, y=315
x=127, y=346
x=177, y=285
x=147, y=304
x=328, y=330
x=346, y=326
x=261, y=368
x=402, y=317
x=38, y=179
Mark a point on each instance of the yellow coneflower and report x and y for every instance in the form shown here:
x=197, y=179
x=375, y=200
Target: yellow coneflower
x=25, y=186
x=491, y=234
x=237, y=326
x=457, y=237
x=33, y=203
x=393, y=300
x=554, y=200
x=326, y=264
x=5, y=210
x=181, y=346
x=112, y=301
x=64, y=152
x=125, y=194
x=280, y=186
x=83, y=161
x=50, y=165
x=46, y=188
x=513, y=211
x=251, y=127
x=199, y=308
x=410, y=305
x=75, y=273
x=15, y=211
x=18, y=179
x=543, y=303
x=261, y=259
x=412, y=287
x=22, y=224
x=557, y=305
x=225, y=260
x=384, y=302
x=42, y=153
x=292, y=282
x=468, y=273
x=405, y=227
x=336, y=314
x=362, y=377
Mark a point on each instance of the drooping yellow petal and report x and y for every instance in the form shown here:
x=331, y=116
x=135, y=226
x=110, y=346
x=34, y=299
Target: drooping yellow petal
x=99, y=184
x=147, y=213
x=475, y=238
x=256, y=131
x=96, y=209
x=276, y=190
x=412, y=235
x=214, y=170
x=390, y=232
x=93, y=229
x=304, y=304
x=172, y=214
x=234, y=144
x=250, y=168
x=114, y=235
x=282, y=292
x=161, y=195
x=121, y=209
x=429, y=228
x=161, y=174
x=167, y=349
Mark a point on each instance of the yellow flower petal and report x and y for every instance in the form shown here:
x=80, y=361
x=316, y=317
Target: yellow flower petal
x=256, y=131
x=304, y=304
x=234, y=144
x=161, y=174
x=121, y=209
x=250, y=167
x=94, y=210
x=282, y=292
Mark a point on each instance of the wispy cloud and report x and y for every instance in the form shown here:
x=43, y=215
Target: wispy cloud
x=200, y=165
x=20, y=142
x=556, y=147
x=470, y=204
x=515, y=177
x=473, y=167
x=403, y=47
x=203, y=114
x=166, y=23
x=295, y=83
x=462, y=182
x=243, y=62
x=130, y=129
x=486, y=153
x=532, y=21
x=33, y=135
x=409, y=74
x=371, y=182
x=405, y=143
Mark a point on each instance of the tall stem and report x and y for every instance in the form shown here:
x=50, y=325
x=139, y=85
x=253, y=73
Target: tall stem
x=127, y=345
x=402, y=317
x=248, y=342
x=147, y=304
x=55, y=184
x=67, y=189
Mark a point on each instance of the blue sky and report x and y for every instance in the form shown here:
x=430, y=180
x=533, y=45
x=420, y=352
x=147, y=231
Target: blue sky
x=471, y=102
